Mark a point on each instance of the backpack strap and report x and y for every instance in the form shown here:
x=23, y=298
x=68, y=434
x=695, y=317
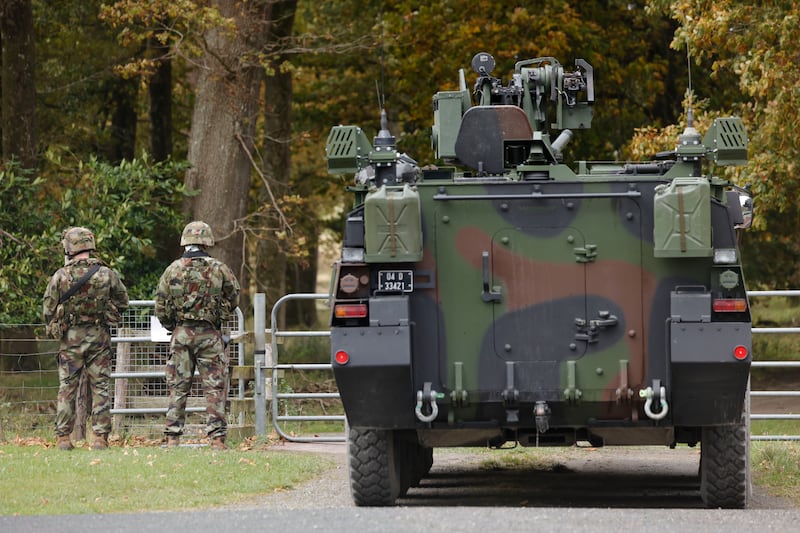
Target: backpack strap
x=78, y=284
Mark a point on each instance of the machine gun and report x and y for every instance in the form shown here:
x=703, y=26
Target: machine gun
x=509, y=126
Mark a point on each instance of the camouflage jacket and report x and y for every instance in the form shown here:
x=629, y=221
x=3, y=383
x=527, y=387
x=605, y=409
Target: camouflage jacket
x=101, y=300
x=196, y=287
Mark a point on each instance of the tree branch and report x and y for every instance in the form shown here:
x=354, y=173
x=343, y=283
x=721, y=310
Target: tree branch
x=266, y=183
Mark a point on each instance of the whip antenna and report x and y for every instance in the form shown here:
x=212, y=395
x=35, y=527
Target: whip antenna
x=689, y=93
x=380, y=90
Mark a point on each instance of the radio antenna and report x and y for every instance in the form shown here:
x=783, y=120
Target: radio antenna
x=380, y=89
x=689, y=93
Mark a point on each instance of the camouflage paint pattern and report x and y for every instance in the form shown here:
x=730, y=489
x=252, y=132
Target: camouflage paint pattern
x=196, y=287
x=82, y=324
x=76, y=240
x=542, y=306
x=195, y=294
x=197, y=345
x=100, y=301
x=84, y=349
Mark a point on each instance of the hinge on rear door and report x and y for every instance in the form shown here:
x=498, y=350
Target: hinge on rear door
x=458, y=395
x=489, y=294
x=572, y=393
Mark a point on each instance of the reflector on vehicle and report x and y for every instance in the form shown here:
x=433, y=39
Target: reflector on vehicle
x=740, y=352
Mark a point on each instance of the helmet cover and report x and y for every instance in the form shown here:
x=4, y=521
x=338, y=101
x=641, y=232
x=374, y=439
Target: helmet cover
x=197, y=232
x=77, y=240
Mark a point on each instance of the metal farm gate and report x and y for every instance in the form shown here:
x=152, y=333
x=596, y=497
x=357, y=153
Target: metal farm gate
x=774, y=364
x=139, y=393
x=279, y=398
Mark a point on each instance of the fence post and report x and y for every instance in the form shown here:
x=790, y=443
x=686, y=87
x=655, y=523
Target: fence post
x=121, y=384
x=260, y=329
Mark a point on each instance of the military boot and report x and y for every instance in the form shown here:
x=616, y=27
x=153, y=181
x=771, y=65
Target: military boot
x=64, y=443
x=100, y=441
x=173, y=441
x=218, y=443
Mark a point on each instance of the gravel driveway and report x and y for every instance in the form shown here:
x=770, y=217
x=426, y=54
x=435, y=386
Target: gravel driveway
x=592, y=490
x=613, y=477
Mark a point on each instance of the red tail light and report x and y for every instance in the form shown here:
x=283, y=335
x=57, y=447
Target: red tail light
x=740, y=352
x=730, y=305
x=350, y=311
x=342, y=357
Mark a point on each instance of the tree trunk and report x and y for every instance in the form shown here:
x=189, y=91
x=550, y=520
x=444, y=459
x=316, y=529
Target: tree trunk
x=271, y=265
x=305, y=280
x=160, y=94
x=223, y=127
x=19, y=89
x=122, y=104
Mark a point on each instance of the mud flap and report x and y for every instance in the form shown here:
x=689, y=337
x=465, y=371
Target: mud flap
x=375, y=384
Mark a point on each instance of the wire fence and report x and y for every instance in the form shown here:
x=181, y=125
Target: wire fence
x=29, y=379
x=139, y=395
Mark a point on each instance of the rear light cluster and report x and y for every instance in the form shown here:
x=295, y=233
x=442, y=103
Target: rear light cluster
x=350, y=311
x=730, y=305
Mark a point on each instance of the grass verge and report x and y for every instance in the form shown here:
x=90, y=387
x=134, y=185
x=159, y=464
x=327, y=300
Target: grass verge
x=776, y=467
x=40, y=479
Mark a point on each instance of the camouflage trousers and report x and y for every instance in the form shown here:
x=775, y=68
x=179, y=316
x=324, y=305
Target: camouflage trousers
x=84, y=349
x=197, y=345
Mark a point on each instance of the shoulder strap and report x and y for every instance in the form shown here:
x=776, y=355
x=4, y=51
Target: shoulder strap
x=78, y=284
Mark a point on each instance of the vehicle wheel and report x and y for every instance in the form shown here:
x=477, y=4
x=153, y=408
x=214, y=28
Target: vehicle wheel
x=426, y=460
x=725, y=463
x=404, y=454
x=373, y=466
x=422, y=461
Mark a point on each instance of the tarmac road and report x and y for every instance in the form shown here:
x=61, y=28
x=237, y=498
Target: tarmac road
x=614, y=489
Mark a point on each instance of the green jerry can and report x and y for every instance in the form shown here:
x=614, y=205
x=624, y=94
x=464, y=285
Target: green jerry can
x=682, y=225
x=393, y=225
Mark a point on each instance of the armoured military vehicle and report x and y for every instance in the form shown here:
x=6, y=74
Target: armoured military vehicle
x=503, y=298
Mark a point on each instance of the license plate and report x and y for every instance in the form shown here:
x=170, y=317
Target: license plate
x=395, y=281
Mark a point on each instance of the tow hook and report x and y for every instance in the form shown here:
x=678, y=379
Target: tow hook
x=542, y=413
x=430, y=396
x=650, y=394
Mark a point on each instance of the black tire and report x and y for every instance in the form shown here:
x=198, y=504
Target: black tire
x=373, y=466
x=424, y=462
x=725, y=463
x=421, y=460
x=404, y=452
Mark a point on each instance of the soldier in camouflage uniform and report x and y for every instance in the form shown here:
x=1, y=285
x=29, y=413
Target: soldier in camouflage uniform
x=81, y=321
x=196, y=293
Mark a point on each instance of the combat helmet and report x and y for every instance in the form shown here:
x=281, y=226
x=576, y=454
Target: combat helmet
x=197, y=232
x=77, y=240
